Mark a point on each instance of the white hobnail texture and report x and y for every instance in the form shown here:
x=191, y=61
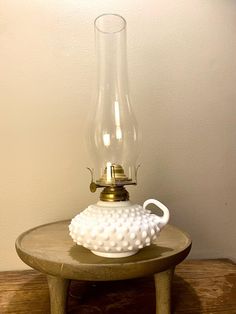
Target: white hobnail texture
x=117, y=229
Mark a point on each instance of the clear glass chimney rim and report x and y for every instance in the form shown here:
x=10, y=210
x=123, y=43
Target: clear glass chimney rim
x=110, y=23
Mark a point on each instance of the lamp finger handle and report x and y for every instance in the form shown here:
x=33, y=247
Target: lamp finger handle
x=166, y=214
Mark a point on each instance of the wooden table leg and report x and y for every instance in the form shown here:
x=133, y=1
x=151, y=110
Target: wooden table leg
x=58, y=294
x=163, y=282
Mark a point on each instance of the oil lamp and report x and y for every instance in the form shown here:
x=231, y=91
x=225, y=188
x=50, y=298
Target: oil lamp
x=114, y=227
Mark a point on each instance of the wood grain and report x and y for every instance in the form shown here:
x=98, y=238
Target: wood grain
x=205, y=286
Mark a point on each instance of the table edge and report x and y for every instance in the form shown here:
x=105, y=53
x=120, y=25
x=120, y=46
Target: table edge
x=82, y=271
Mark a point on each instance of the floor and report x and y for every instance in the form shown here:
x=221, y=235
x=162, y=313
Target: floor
x=204, y=286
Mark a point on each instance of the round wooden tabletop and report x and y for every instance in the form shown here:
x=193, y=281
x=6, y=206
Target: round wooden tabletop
x=50, y=249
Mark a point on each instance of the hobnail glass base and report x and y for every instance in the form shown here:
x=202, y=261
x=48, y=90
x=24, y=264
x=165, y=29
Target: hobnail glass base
x=115, y=255
x=117, y=229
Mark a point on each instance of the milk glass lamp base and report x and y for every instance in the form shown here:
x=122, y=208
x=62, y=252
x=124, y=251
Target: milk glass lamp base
x=115, y=255
x=117, y=229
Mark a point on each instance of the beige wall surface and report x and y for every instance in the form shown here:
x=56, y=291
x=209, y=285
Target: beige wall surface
x=182, y=66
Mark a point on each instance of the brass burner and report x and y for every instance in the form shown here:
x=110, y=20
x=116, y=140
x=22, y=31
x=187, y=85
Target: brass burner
x=117, y=176
x=114, y=194
x=114, y=190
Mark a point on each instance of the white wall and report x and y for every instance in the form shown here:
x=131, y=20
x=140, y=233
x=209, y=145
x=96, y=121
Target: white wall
x=182, y=64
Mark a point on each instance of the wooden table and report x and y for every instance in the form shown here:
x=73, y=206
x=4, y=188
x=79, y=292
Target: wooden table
x=50, y=250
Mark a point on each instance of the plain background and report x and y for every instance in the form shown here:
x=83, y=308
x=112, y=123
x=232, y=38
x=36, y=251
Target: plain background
x=182, y=70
